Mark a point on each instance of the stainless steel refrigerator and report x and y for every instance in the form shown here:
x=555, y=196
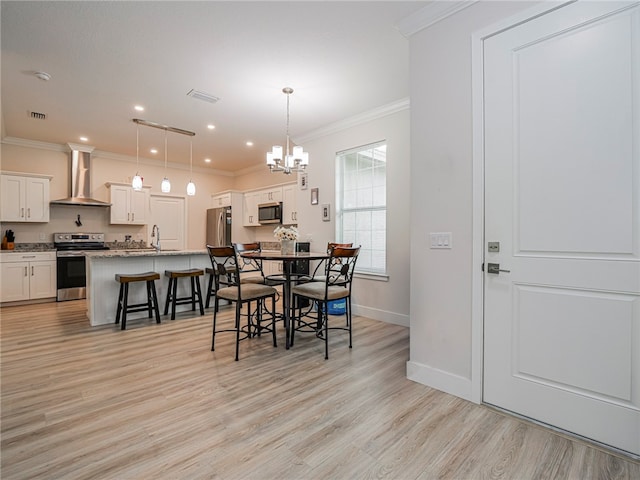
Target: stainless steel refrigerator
x=219, y=226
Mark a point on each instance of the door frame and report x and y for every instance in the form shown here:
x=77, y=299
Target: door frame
x=478, y=191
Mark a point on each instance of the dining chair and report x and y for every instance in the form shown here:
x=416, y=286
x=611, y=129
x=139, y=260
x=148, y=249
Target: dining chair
x=318, y=272
x=338, y=278
x=225, y=265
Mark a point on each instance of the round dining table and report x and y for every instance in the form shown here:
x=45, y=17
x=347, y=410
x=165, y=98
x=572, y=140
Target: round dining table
x=287, y=260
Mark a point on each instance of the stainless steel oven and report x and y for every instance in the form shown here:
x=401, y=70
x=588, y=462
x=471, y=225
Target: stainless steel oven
x=71, y=262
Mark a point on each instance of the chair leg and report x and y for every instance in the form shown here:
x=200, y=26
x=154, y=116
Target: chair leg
x=199, y=293
x=209, y=288
x=168, y=298
x=349, y=319
x=273, y=319
x=125, y=301
x=155, y=301
x=120, y=295
x=174, y=296
x=325, y=314
x=193, y=293
x=238, y=312
x=215, y=315
x=149, y=300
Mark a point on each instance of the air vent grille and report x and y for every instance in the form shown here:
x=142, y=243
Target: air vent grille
x=38, y=115
x=204, y=96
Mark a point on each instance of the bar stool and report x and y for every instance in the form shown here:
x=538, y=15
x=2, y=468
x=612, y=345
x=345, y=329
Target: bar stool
x=151, y=304
x=172, y=292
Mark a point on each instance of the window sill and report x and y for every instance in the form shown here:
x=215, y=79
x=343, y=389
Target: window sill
x=378, y=277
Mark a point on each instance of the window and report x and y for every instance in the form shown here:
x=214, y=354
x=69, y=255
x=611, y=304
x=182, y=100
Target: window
x=361, y=204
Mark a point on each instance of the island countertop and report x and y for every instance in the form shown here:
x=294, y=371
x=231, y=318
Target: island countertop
x=142, y=252
x=102, y=288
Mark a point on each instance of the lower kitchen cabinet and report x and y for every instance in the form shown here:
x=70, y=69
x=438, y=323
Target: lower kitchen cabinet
x=27, y=276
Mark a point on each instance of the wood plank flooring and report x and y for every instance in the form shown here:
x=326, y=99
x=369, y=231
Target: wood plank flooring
x=153, y=402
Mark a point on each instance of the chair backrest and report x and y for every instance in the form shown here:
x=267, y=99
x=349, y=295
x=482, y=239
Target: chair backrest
x=249, y=265
x=224, y=264
x=331, y=245
x=341, y=265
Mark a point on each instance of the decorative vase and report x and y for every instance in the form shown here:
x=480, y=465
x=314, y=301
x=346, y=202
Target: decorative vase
x=287, y=247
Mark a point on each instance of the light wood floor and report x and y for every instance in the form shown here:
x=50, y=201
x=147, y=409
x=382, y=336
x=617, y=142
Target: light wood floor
x=153, y=402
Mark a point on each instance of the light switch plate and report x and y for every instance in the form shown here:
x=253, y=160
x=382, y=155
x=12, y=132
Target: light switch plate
x=441, y=240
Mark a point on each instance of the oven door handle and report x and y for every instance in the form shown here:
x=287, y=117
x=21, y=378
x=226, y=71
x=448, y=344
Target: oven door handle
x=70, y=254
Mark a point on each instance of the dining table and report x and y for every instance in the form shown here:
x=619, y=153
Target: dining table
x=288, y=260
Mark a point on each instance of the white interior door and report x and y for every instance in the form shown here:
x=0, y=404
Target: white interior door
x=169, y=214
x=562, y=168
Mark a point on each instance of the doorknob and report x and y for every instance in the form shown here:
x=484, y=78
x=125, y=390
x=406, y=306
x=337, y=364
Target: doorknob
x=495, y=268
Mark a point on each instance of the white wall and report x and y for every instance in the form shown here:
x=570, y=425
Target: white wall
x=382, y=300
x=441, y=196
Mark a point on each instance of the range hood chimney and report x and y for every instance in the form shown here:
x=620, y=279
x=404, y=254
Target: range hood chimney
x=80, y=179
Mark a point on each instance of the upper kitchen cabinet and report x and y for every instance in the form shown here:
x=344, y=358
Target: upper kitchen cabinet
x=289, y=205
x=221, y=200
x=255, y=198
x=128, y=206
x=25, y=197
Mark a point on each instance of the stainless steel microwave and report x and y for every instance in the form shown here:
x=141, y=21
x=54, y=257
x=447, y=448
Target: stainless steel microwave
x=270, y=212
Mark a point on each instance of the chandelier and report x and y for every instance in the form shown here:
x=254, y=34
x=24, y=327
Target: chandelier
x=294, y=160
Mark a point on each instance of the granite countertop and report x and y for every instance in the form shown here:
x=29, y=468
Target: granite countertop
x=142, y=252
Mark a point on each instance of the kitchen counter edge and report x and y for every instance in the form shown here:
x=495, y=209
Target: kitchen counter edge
x=142, y=253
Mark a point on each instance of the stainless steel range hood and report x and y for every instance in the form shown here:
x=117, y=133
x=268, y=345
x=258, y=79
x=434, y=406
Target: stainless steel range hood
x=80, y=179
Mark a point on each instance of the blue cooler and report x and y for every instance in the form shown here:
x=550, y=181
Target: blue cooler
x=338, y=307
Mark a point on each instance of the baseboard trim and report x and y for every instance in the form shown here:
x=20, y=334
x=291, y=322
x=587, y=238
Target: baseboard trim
x=381, y=315
x=440, y=380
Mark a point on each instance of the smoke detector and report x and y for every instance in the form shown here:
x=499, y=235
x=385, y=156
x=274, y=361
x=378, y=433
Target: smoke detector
x=42, y=76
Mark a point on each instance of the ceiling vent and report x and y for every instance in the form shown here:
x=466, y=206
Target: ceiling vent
x=204, y=96
x=38, y=115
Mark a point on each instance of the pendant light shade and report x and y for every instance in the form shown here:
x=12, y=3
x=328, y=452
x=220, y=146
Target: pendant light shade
x=191, y=187
x=136, y=183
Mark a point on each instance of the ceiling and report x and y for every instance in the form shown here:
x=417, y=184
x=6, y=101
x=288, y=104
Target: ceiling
x=341, y=58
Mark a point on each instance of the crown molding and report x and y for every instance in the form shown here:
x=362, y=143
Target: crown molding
x=430, y=15
x=354, y=121
x=54, y=147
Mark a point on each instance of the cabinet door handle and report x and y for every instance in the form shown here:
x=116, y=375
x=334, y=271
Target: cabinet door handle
x=26, y=271
x=29, y=212
x=133, y=217
x=32, y=271
x=22, y=212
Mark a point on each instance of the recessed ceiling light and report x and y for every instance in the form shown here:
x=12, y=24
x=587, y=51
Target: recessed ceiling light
x=249, y=143
x=211, y=127
x=139, y=108
x=154, y=150
x=207, y=160
x=84, y=139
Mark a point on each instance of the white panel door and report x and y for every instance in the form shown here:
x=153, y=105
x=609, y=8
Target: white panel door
x=169, y=214
x=562, y=169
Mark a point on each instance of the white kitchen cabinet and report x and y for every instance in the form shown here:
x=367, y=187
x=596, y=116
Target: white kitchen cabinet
x=25, y=198
x=250, y=210
x=221, y=200
x=128, y=206
x=27, y=276
x=255, y=198
x=289, y=205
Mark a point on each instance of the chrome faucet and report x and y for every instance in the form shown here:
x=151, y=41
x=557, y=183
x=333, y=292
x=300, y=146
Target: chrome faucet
x=155, y=232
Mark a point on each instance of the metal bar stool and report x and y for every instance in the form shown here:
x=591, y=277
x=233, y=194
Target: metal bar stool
x=194, y=275
x=151, y=304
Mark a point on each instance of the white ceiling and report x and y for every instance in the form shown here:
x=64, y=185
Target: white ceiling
x=341, y=58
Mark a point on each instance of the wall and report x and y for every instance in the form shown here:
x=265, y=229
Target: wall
x=49, y=159
x=441, y=196
x=382, y=300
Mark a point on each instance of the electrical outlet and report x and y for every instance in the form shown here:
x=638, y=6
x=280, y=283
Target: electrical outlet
x=42, y=237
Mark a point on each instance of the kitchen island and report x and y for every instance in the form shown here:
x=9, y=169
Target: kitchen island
x=103, y=265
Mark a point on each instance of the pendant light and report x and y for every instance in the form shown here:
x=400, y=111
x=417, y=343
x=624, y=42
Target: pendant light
x=136, y=183
x=191, y=187
x=165, y=186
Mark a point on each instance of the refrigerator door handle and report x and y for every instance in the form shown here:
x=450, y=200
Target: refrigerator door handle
x=221, y=228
